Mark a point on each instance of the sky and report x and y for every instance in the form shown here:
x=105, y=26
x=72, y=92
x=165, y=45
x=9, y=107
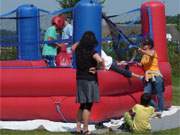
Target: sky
x=110, y=7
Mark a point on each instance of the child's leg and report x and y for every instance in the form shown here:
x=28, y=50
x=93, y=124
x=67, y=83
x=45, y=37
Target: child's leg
x=153, y=103
x=52, y=62
x=122, y=71
x=158, y=85
x=148, y=89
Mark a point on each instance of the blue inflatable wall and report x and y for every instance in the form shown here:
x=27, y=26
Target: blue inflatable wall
x=28, y=28
x=87, y=16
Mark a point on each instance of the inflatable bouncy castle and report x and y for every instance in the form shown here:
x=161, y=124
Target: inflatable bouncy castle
x=30, y=90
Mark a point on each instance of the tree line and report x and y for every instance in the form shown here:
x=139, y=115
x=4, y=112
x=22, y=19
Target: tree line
x=174, y=20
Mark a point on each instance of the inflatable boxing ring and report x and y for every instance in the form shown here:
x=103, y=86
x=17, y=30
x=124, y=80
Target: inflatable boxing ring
x=29, y=90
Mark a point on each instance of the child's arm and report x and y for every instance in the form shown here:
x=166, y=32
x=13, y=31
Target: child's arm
x=132, y=113
x=147, y=52
x=139, y=64
x=145, y=60
x=74, y=46
x=140, y=77
x=119, y=63
x=54, y=44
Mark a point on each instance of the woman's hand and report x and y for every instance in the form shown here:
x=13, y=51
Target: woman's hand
x=99, y=60
x=92, y=70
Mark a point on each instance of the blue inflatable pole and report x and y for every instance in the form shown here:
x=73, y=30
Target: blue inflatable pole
x=87, y=16
x=28, y=29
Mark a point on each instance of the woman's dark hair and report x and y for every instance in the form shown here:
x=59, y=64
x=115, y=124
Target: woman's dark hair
x=148, y=41
x=88, y=41
x=145, y=99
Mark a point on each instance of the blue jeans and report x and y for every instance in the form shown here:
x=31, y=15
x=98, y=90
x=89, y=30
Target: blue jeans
x=156, y=87
x=50, y=60
x=120, y=70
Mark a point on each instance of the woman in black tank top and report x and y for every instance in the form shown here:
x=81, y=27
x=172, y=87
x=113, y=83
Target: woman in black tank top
x=87, y=86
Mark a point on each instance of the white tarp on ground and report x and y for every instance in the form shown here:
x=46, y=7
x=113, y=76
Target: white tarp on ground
x=64, y=127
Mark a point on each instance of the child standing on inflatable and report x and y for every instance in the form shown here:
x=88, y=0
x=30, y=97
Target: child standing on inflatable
x=154, y=83
x=49, y=51
x=67, y=32
x=64, y=57
x=87, y=86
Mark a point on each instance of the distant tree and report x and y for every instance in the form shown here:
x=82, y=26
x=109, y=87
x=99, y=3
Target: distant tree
x=178, y=22
x=71, y=3
x=174, y=20
x=67, y=3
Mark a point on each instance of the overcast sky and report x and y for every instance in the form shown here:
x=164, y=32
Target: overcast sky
x=110, y=7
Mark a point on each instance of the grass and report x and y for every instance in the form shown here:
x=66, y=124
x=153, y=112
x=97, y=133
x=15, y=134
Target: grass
x=43, y=132
x=176, y=90
x=8, y=53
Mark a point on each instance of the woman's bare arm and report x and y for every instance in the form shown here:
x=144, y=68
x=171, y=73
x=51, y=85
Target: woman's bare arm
x=99, y=60
x=74, y=46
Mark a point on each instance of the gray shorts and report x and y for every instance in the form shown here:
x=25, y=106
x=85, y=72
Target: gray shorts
x=87, y=91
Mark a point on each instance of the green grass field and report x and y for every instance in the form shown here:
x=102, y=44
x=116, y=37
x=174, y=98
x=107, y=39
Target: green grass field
x=176, y=90
x=42, y=132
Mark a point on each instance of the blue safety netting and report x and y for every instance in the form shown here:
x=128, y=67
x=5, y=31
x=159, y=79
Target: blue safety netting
x=125, y=30
x=127, y=18
x=8, y=37
x=8, y=23
x=124, y=39
x=8, y=29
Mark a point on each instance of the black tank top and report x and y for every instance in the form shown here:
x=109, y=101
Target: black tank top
x=84, y=61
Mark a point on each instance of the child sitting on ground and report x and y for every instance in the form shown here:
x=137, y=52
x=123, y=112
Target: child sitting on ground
x=138, y=119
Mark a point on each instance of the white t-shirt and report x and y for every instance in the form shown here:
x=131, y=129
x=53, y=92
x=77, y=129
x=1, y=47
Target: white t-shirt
x=107, y=60
x=67, y=31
